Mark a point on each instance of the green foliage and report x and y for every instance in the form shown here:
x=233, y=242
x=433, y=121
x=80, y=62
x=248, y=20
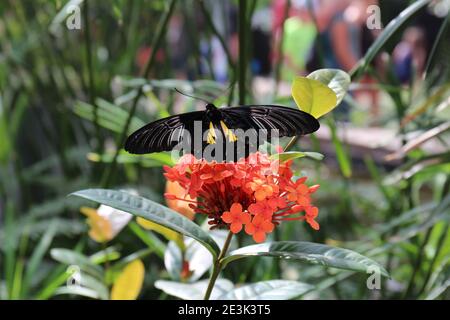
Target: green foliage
x=68, y=96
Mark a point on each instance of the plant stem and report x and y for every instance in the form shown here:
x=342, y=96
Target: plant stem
x=154, y=47
x=218, y=266
x=88, y=46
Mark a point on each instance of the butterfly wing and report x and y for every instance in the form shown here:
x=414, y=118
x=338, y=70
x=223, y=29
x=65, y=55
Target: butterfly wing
x=289, y=122
x=163, y=134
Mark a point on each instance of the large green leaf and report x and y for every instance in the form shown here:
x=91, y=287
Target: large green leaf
x=152, y=211
x=268, y=290
x=335, y=79
x=194, y=291
x=308, y=252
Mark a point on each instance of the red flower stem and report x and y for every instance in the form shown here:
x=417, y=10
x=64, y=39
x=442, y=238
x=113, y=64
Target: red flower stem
x=217, y=267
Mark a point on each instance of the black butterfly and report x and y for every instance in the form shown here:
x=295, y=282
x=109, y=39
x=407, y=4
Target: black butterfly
x=165, y=134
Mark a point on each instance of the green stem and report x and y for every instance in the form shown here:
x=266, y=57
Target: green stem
x=218, y=266
x=155, y=45
x=439, y=247
x=242, y=67
x=88, y=46
x=417, y=264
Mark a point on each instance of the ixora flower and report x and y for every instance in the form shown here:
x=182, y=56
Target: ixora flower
x=252, y=195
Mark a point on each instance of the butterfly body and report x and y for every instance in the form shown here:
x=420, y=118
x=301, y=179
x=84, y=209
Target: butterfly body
x=215, y=126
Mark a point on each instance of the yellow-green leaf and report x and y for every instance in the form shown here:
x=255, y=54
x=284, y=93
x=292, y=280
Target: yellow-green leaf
x=129, y=283
x=313, y=97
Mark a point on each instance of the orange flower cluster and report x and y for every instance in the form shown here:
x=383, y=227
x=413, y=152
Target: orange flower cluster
x=254, y=194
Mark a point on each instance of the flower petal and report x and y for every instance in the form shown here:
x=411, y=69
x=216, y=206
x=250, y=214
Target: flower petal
x=313, y=223
x=259, y=236
x=303, y=201
x=227, y=217
x=267, y=226
x=245, y=218
x=236, y=208
x=236, y=227
x=250, y=229
x=260, y=195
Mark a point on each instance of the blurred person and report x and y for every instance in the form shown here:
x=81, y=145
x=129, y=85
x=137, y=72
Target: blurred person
x=297, y=33
x=343, y=40
x=410, y=54
x=261, y=41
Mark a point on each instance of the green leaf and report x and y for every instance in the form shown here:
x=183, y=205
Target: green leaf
x=313, y=97
x=79, y=291
x=151, y=240
x=71, y=257
x=335, y=79
x=308, y=252
x=387, y=33
x=341, y=155
x=38, y=254
x=140, y=254
x=194, y=291
x=289, y=155
x=148, y=160
x=106, y=255
x=89, y=282
x=268, y=290
x=152, y=211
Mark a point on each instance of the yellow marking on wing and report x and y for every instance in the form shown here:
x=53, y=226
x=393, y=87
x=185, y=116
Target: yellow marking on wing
x=211, y=138
x=231, y=136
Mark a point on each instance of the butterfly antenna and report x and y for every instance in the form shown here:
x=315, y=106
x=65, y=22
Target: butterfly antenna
x=191, y=96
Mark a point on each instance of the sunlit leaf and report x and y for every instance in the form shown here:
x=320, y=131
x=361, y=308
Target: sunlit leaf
x=313, y=97
x=129, y=283
x=335, y=79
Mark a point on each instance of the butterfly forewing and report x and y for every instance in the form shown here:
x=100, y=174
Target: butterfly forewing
x=289, y=122
x=159, y=135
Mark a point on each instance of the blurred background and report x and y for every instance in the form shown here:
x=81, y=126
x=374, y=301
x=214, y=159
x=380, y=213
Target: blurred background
x=76, y=77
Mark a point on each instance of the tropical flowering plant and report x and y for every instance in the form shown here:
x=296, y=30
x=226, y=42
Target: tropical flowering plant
x=253, y=195
x=247, y=198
